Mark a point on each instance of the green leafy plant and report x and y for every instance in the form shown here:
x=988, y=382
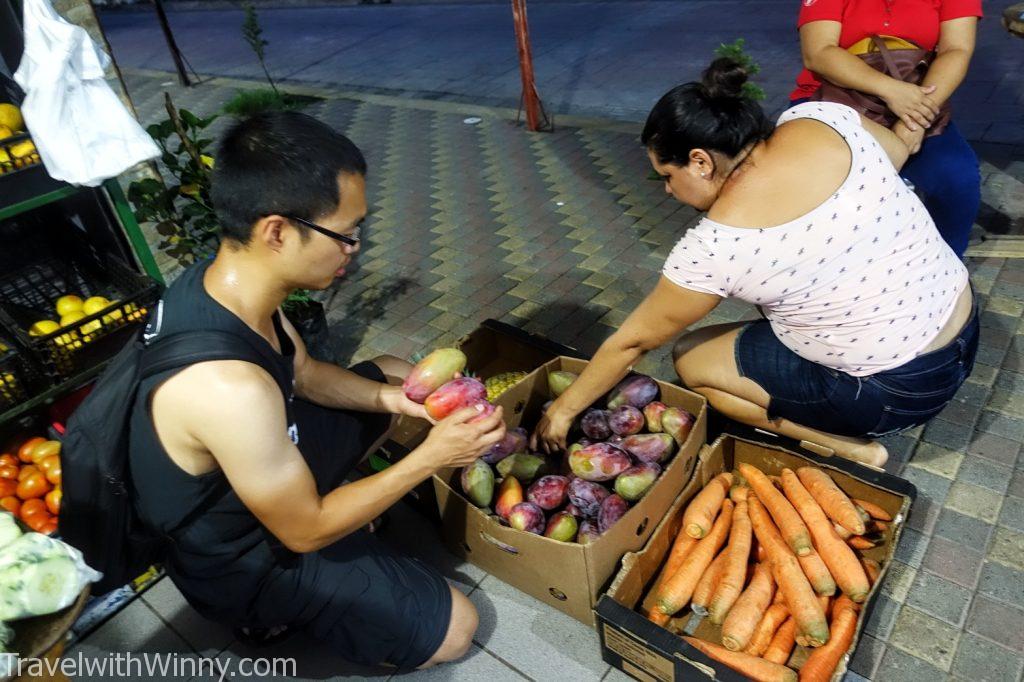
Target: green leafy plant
x=181, y=208
x=296, y=300
x=247, y=103
x=253, y=34
x=737, y=52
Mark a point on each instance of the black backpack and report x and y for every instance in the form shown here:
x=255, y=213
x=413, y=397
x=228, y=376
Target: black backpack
x=97, y=513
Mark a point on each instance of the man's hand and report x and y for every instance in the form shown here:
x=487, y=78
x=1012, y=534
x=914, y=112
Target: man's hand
x=911, y=103
x=550, y=434
x=911, y=138
x=458, y=439
x=394, y=400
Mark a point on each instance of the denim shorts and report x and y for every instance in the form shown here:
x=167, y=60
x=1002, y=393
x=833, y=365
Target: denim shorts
x=832, y=401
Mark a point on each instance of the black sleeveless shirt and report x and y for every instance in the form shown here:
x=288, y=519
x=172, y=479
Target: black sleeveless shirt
x=220, y=554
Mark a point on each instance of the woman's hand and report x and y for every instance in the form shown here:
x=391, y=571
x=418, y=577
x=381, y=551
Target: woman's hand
x=911, y=103
x=550, y=434
x=911, y=138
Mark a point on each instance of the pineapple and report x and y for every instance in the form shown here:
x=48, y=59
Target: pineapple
x=499, y=383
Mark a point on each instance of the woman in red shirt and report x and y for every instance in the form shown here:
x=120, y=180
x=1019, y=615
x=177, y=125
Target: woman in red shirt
x=943, y=168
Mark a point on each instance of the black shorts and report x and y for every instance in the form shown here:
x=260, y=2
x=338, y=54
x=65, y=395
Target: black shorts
x=367, y=602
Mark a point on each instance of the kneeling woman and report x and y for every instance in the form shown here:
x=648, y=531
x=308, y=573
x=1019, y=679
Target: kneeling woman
x=871, y=326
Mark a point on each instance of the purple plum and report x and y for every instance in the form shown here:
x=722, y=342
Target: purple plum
x=650, y=447
x=652, y=413
x=634, y=482
x=588, y=532
x=612, y=509
x=615, y=440
x=599, y=462
x=548, y=492
x=587, y=496
x=637, y=390
x=574, y=510
x=562, y=527
x=527, y=516
x=513, y=442
x=594, y=424
x=626, y=420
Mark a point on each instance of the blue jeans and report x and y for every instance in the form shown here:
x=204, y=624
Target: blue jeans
x=946, y=176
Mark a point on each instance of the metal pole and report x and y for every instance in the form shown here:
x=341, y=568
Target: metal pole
x=531, y=100
x=179, y=65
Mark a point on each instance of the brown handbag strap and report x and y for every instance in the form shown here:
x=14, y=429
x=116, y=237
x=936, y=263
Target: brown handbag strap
x=890, y=63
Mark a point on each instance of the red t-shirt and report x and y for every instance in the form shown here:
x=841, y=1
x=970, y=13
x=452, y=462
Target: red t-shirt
x=914, y=20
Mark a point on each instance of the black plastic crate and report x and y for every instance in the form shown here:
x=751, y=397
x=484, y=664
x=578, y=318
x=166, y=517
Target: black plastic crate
x=28, y=295
x=17, y=153
x=18, y=378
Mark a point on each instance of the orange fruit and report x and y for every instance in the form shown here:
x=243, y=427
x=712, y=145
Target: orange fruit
x=34, y=507
x=33, y=486
x=8, y=487
x=44, y=449
x=53, y=500
x=6, y=459
x=26, y=448
x=27, y=470
x=38, y=521
x=11, y=504
x=9, y=471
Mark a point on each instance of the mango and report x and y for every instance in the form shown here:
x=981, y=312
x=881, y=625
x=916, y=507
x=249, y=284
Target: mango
x=588, y=532
x=562, y=527
x=625, y=420
x=528, y=517
x=677, y=423
x=649, y=447
x=613, y=508
x=558, y=381
x=486, y=410
x=548, y=492
x=652, y=413
x=478, y=483
x=510, y=493
x=599, y=462
x=513, y=442
x=634, y=482
x=587, y=496
x=432, y=372
x=523, y=466
x=594, y=424
x=453, y=396
x=637, y=391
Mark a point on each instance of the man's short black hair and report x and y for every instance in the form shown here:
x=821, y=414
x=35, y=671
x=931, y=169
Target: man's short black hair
x=283, y=163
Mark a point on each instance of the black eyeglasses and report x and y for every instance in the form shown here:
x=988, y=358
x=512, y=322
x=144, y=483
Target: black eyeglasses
x=349, y=239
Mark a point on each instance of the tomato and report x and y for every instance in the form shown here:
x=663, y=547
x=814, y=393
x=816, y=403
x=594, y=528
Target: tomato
x=26, y=448
x=30, y=508
x=38, y=521
x=8, y=487
x=50, y=527
x=33, y=486
x=11, y=504
x=44, y=449
x=53, y=499
x=9, y=460
x=9, y=471
x=54, y=475
x=26, y=471
x=50, y=466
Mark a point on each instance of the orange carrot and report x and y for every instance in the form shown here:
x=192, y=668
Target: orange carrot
x=862, y=542
x=760, y=554
x=773, y=618
x=816, y=572
x=822, y=662
x=800, y=598
x=833, y=501
x=708, y=582
x=734, y=571
x=738, y=492
x=873, y=510
x=680, y=548
x=838, y=557
x=826, y=602
x=842, y=532
x=788, y=521
x=701, y=512
x=780, y=598
x=658, y=618
x=753, y=667
x=676, y=591
x=782, y=643
x=738, y=628
x=872, y=568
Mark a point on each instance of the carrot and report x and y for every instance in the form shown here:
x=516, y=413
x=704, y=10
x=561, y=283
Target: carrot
x=842, y=532
x=753, y=667
x=782, y=643
x=788, y=521
x=826, y=602
x=822, y=662
x=676, y=591
x=738, y=628
x=872, y=568
x=864, y=541
x=791, y=579
x=773, y=618
x=734, y=571
x=708, y=582
x=873, y=510
x=780, y=598
x=833, y=500
x=838, y=557
x=701, y=511
x=680, y=548
x=816, y=572
x=658, y=618
x=760, y=554
x=738, y=492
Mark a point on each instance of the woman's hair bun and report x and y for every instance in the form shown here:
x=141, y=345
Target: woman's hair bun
x=724, y=79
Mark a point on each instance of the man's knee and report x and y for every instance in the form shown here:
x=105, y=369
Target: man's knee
x=396, y=368
x=461, y=629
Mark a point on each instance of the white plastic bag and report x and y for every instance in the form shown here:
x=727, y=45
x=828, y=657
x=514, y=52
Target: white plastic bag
x=40, y=575
x=83, y=133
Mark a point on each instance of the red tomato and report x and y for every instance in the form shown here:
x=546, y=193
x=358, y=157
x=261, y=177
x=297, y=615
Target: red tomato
x=53, y=499
x=11, y=504
x=6, y=459
x=33, y=486
x=27, y=470
x=51, y=469
x=38, y=521
x=8, y=487
x=30, y=508
x=25, y=451
x=50, y=527
x=44, y=449
x=9, y=471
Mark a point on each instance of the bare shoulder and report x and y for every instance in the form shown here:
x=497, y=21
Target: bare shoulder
x=220, y=387
x=806, y=137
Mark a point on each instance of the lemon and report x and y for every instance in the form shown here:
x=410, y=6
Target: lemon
x=71, y=318
x=94, y=305
x=22, y=149
x=68, y=304
x=113, y=316
x=43, y=327
x=5, y=132
x=10, y=117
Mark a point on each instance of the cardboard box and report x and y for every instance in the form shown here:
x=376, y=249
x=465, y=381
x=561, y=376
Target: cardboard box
x=647, y=651
x=568, y=576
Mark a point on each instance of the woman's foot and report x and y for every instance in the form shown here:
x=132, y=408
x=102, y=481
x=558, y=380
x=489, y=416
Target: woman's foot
x=869, y=452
